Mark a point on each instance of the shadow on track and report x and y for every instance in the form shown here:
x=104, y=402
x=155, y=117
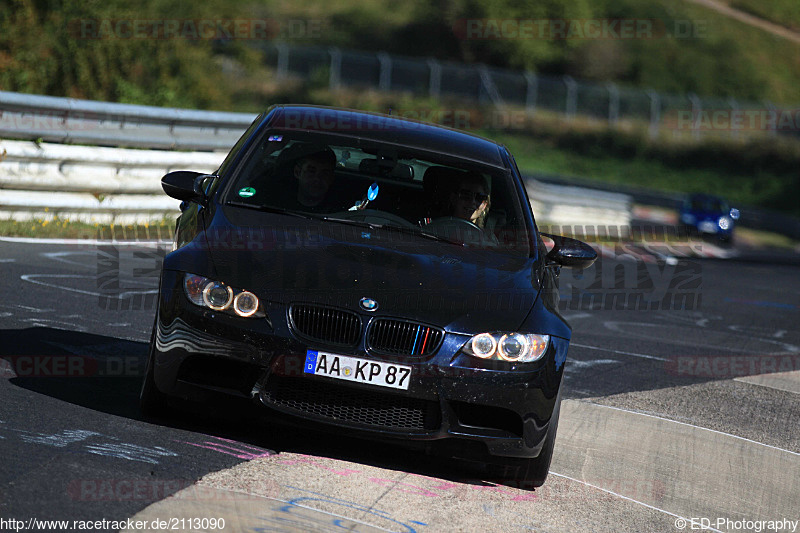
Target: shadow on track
x=104, y=374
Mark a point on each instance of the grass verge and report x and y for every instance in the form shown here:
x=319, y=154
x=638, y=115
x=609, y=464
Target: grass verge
x=57, y=228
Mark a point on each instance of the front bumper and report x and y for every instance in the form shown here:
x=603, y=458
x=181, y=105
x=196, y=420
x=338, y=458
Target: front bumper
x=501, y=410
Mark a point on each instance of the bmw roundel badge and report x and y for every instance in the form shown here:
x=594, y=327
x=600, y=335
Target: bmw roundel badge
x=368, y=304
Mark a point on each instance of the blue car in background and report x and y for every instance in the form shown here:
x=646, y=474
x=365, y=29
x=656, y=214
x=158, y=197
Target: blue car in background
x=709, y=215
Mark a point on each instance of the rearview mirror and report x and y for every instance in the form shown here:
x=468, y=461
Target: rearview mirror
x=570, y=253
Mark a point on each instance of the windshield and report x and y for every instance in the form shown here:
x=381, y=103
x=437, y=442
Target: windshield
x=351, y=180
x=708, y=204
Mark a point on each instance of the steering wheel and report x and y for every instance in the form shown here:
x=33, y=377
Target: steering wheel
x=458, y=229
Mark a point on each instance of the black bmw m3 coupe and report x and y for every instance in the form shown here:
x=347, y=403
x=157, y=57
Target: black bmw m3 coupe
x=368, y=273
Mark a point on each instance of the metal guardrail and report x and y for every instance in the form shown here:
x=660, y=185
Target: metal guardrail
x=110, y=182
x=71, y=121
x=90, y=183
x=751, y=217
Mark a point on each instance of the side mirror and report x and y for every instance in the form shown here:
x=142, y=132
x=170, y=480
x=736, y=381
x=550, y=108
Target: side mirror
x=570, y=253
x=184, y=185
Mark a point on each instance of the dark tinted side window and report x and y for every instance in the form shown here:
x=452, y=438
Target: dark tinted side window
x=237, y=148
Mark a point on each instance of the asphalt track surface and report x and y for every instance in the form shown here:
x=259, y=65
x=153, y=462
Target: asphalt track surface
x=682, y=403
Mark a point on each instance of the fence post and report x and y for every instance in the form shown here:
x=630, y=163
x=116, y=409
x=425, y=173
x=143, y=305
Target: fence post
x=734, y=111
x=613, y=104
x=435, y=85
x=772, y=120
x=655, y=113
x=532, y=92
x=697, y=110
x=572, y=97
x=335, y=79
x=385, y=78
x=283, y=60
x=488, y=85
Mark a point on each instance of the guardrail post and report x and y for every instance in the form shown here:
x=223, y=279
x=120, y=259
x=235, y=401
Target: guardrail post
x=435, y=85
x=489, y=86
x=655, y=113
x=733, y=120
x=385, y=80
x=697, y=111
x=283, y=60
x=572, y=97
x=772, y=120
x=335, y=79
x=613, y=104
x=531, y=94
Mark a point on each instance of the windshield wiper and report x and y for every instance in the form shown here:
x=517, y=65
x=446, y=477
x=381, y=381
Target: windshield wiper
x=272, y=209
x=359, y=223
x=419, y=233
x=350, y=222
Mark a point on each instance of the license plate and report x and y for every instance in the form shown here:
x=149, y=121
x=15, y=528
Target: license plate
x=358, y=370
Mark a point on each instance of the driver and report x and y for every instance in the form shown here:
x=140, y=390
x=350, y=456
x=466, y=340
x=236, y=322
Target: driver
x=314, y=175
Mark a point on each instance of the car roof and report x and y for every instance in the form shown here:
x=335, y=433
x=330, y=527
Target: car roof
x=705, y=196
x=386, y=128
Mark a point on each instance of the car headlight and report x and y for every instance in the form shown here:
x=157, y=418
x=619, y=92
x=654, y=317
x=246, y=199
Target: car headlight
x=724, y=223
x=218, y=296
x=511, y=347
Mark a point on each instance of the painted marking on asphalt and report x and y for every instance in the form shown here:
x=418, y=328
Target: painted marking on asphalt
x=633, y=327
x=35, y=309
x=626, y=498
x=232, y=447
x=657, y=417
x=62, y=257
x=131, y=452
x=107, y=446
x=760, y=303
x=90, y=242
x=34, y=278
x=306, y=511
x=634, y=354
x=701, y=469
x=576, y=363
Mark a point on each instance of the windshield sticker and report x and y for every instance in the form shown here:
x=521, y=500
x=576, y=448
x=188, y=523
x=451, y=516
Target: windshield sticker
x=276, y=138
x=246, y=192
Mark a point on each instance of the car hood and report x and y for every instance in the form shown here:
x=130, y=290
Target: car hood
x=705, y=215
x=287, y=260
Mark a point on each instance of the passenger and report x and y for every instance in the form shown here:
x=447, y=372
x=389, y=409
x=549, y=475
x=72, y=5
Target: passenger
x=469, y=199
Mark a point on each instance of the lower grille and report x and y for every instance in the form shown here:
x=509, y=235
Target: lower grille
x=346, y=404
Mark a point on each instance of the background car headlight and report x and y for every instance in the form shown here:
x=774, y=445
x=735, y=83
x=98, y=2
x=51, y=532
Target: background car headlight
x=724, y=223
x=218, y=296
x=512, y=347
